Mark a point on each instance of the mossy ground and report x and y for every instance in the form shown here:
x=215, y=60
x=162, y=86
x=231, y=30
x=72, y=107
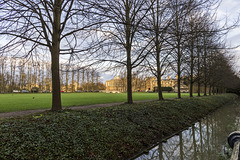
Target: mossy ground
x=106, y=133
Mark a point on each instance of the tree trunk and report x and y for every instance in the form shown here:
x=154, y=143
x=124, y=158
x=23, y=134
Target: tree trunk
x=157, y=44
x=83, y=79
x=2, y=77
x=205, y=67
x=210, y=92
x=13, y=78
x=213, y=90
x=179, y=72
x=191, y=89
x=129, y=82
x=56, y=94
x=67, y=68
x=43, y=77
x=128, y=50
x=78, y=74
x=191, y=70
x=205, y=89
x=160, y=96
x=178, y=55
x=72, y=79
x=198, y=70
x=87, y=79
x=92, y=79
x=179, y=89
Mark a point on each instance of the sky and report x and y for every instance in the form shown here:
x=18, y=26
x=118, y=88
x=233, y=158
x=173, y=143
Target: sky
x=230, y=10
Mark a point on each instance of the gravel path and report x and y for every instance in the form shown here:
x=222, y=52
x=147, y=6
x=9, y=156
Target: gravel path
x=28, y=112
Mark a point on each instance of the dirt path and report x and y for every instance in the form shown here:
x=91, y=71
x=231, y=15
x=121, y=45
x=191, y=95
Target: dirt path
x=28, y=112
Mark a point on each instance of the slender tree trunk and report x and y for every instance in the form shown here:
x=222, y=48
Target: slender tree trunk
x=205, y=89
x=2, y=77
x=43, y=68
x=191, y=70
x=39, y=75
x=35, y=75
x=179, y=73
x=205, y=67
x=128, y=50
x=87, y=79
x=210, y=92
x=157, y=44
x=160, y=96
x=178, y=54
x=198, y=70
x=159, y=76
x=92, y=79
x=72, y=79
x=67, y=68
x=21, y=75
x=13, y=78
x=78, y=74
x=97, y=76
x=55, y=49
x=83, y=79
x=29, y=77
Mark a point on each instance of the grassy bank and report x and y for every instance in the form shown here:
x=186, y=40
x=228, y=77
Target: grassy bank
x=31, y=101
x=106, y=133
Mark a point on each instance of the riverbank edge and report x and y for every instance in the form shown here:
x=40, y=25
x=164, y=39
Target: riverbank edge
x=165, y=138
x=116, y=132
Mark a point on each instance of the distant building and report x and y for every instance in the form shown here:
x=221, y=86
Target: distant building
x=148, y=84
x=116, y=84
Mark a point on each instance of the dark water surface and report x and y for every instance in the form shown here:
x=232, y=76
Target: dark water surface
x=205, y=140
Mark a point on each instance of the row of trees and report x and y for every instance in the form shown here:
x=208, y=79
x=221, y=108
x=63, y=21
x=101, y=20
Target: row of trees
x=22, y=74
x=152, y=34
x=159, y=35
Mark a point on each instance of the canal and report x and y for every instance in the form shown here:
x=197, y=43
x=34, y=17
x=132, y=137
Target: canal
x=204, y=140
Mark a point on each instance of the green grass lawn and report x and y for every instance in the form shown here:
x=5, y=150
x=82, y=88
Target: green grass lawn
x=29, y=101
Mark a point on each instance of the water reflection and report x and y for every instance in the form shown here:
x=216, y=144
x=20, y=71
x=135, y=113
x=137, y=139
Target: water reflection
x=205, y=140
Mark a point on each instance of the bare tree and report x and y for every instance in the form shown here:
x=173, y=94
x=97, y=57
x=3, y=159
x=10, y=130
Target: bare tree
x=179, y=11
x=53, y=25
x=197, y=20
x=124, y=44
x=157, y=23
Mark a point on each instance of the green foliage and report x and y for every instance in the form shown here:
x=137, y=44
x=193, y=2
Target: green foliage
x=105, y=133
